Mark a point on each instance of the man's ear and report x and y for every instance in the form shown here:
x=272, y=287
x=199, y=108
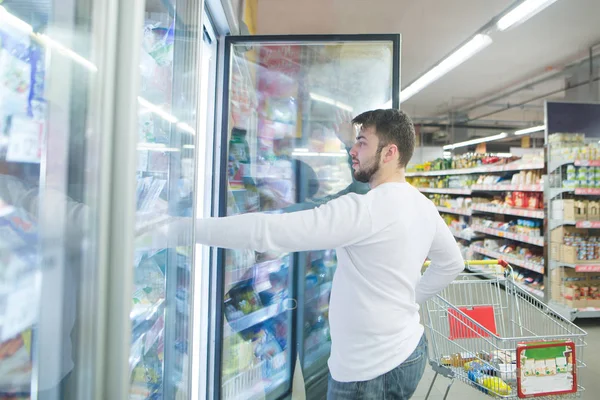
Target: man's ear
x=392, y=153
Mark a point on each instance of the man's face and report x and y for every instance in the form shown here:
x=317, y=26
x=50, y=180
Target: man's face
x=366, y=155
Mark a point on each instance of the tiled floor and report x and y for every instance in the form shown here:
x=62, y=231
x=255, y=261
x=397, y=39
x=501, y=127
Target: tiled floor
x=589, y=377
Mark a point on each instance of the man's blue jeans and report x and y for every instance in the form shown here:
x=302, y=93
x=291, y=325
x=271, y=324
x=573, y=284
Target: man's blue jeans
x=398, y=384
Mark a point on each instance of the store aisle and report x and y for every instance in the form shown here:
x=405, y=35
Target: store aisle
x=588, y=376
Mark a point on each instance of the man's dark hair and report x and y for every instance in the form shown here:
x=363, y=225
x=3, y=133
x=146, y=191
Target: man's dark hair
x=391, y=127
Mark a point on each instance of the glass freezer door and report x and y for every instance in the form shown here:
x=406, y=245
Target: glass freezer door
x=161, y=304
x=283, y=150
x=49, y=62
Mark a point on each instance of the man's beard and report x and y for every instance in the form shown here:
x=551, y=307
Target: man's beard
x=364, y=174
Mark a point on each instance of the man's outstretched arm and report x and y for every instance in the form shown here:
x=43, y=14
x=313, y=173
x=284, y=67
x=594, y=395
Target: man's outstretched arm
x=339, y=223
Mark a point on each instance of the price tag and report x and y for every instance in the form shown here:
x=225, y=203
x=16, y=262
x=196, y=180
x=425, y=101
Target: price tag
x=25, y=141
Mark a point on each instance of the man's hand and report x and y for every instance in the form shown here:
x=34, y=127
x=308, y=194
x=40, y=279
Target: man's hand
x=344, y=128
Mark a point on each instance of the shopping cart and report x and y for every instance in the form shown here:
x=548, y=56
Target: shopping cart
x=477, y=329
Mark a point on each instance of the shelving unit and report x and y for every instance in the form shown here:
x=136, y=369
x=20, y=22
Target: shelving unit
x=537, y=241
x=457, y=211
x=572, y=259
x=491, y=211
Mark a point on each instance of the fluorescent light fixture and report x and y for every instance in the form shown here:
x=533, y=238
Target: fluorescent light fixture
x=530, y=130
x=522, y=13
x=327, y=100
x=15, y=22
x=466, y=51
x=476, y=141
x=189, y=146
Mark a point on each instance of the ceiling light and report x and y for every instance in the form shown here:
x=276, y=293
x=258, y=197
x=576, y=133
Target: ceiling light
x=522, y=13
x=327, y=100
x=466, y=51
x=530, y=130
x=476, y=141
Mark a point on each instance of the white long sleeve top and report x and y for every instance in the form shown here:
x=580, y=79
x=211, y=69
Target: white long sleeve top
x=382, y=239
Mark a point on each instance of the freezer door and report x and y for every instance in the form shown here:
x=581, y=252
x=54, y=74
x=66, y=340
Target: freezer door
x=169, y=136
x=51, y=59
x=284, y=148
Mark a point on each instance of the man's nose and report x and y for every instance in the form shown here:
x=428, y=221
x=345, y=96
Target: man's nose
x=353, y=152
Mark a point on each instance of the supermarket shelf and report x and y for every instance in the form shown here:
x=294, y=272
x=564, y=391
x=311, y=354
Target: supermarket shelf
x=578, y=163
x=556, y=163
x=574, y=313
x=255, y=318
x=537, y=241
x=558, y=191
x=555, y=223
x=587, y=163
x=587, y=192
x=520, y=212
x=445, y=191
x=515, y=166
x=464, y=236
x=508, y=188
x=535, y=292
x=582, y=267
x=539, y=294
x=458, y=211
x=588, y=224
x=535, y=267
x=577, y=191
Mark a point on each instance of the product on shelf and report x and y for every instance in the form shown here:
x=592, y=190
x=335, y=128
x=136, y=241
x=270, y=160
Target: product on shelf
x=512, y=200
x=572, y=146
x=575, y=210
x=513, y=251
x=469, y=160
x=572, y=245
x=444, y=182
x=581, y=177
x=444, y=200
x=518, y=226
x=575, y=289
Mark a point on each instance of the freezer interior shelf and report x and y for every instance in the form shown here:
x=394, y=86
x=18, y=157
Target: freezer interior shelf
x=250, y=320
x=250, y=384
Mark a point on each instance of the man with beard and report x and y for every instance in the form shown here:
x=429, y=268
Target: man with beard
x=382, y=239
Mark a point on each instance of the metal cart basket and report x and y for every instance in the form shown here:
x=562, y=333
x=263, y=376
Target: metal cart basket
x=476, y=324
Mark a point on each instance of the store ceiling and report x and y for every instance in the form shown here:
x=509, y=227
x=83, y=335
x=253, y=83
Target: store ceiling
x=431, y=29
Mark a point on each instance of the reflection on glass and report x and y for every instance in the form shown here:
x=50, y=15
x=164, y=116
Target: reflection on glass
x=161, y=303
x=287, y=151
x=46, y=230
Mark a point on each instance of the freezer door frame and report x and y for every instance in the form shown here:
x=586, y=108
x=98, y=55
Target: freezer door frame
x=220, y=184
